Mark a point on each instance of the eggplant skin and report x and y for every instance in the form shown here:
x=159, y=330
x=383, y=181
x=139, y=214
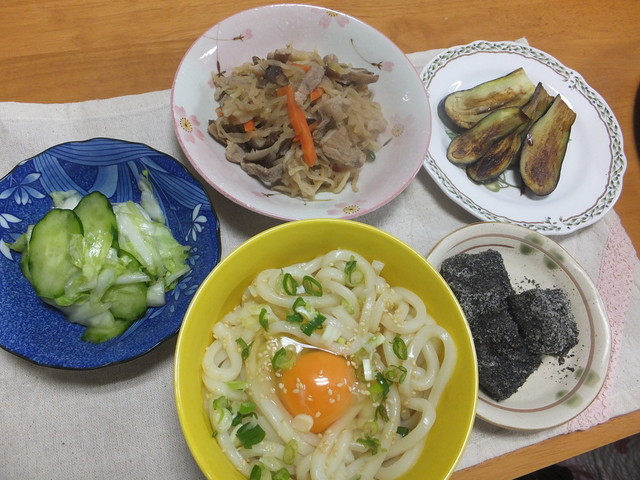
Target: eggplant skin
x=497, y=159
x=505, y=152
x=461, y=110
x=472, y=144
x=544, y=148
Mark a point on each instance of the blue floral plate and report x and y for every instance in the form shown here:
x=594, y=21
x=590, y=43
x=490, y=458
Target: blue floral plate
x=39, y=333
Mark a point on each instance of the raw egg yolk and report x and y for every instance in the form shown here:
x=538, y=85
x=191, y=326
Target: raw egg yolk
x=318, y=385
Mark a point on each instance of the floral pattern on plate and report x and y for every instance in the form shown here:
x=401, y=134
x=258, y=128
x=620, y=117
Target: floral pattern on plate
x=41, y=334
x=258, y=31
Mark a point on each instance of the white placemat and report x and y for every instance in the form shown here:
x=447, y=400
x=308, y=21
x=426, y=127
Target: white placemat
x=120, y=421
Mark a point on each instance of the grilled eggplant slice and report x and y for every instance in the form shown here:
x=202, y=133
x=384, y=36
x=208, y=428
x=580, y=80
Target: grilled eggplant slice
x=463, y=109
x=472, y=144
x=505, y=152
x=544, y=148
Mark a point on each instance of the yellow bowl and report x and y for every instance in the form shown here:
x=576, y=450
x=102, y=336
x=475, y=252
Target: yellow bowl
x=295, y=242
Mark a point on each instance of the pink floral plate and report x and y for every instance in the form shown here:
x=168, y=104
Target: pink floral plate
x=258, y=31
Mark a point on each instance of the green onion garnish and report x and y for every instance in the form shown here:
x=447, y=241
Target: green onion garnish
x=245, y=348
x=250, y=435
x=402, y=431
x=315, y=324
x=379, y=388
x=263, y=320
x=289, y=284
x=282, y=474
x=312, y=286
x=220, y=402
x=370, y=155
x=354, y=276
x=237, y=385
x=290, y=452
x=247, y=408
x=294, y=317
x=256, y=472
x=381, y=413
x=395, y=373
x=400, y=348
x=283, y=359
x=370, y=443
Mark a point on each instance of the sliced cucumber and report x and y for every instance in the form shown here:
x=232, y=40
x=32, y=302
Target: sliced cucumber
x=50, y=264
x=103, y=333
x=128, y=302
x=96, y=214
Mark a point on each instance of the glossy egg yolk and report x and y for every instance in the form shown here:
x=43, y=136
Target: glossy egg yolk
x=319, y=385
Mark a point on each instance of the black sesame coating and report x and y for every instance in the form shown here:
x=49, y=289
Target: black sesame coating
x=504, y=362
x=545, y=320
x=479, y=281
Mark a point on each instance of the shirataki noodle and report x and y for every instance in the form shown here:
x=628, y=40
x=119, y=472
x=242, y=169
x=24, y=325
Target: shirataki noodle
x=335, y=105
x=365, y=321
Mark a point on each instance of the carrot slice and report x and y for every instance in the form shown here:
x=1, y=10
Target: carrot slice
x=249, y=126
x=302, y=66
x=301, y=128
x=315, y=94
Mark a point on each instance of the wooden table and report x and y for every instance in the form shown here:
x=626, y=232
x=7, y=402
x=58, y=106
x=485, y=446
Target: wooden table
x=58, y=51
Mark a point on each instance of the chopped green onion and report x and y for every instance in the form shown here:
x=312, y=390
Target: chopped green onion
x=315, y=324
x=256, y=472
x=290, y=452
x=283, y=359
x=400, y=348
x=237, y=420
x=220, y=402
x=381, y=413
x=371, y=427
x=289, y=284
x=250, y=435
x=373, y=342
x=354, y=275
x=402, y=431
x=247, y=408
x=312, y=286
x=245, y=348
x=263, y=320
x=303, y=308
x=395, y=373
x=370, y=155
x=379, y=388
x=294, y=317
x=237, y=385
x=282, y=474
x=370, y=443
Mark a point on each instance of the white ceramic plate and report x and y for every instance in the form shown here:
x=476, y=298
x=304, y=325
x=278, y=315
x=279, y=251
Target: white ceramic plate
x=261, y=30
x=592, y=172
x=555, y=392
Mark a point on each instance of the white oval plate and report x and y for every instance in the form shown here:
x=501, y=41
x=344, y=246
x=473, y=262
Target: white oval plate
x=258, y=31
x=555, y=393
x=592, y=172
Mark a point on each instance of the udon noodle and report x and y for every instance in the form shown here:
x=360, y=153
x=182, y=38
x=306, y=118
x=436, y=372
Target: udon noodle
x=401, y=357
x=336, y=132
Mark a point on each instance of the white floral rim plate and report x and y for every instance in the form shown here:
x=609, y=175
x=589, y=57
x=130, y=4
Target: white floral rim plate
x=258, y=31
x=592, y=172
x=556, y=392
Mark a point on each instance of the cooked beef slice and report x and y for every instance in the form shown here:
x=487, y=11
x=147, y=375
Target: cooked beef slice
x=479, y=281
x=504, y=362
x=545, y=320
